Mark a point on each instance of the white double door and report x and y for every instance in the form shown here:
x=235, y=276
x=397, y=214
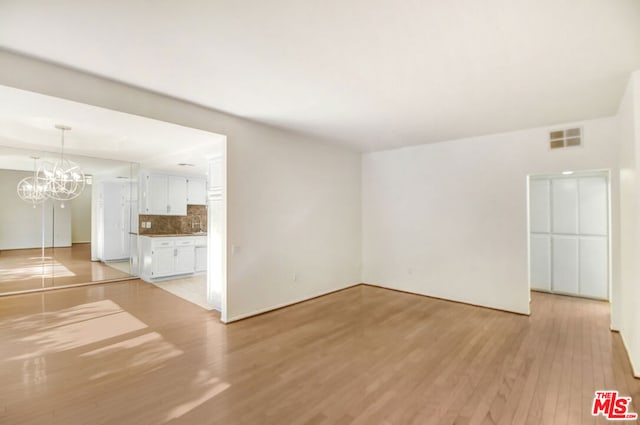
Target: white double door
x=569, y=227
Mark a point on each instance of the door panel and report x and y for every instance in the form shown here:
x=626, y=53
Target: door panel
x=540, y=206
x=156, y=196
x=565, y=264
x=593, y=205
x=163, y=261
x=594, y=267
x=177, y=195
x=564, y=201
x=184, y=261
x=541, y=262
x=569, y=244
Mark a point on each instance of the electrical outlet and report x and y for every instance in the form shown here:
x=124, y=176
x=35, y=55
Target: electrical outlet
x=148, y=225
x=295, y=277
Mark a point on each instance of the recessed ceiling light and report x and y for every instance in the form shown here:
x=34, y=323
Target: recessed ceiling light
x=186, y=164
x=567, y=173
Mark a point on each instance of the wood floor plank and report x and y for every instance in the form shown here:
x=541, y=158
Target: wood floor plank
x=36, y=269
x=131, y=353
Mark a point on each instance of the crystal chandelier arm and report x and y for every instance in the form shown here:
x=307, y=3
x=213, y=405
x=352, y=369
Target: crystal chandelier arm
x=64, y=179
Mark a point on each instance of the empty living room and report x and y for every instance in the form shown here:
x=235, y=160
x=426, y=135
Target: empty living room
x=317, y=213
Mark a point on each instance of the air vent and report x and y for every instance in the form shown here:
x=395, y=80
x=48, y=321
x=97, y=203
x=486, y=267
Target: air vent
x=565, y=138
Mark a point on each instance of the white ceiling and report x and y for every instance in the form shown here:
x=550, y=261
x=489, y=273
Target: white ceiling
x=371, y=74
x=27, y=122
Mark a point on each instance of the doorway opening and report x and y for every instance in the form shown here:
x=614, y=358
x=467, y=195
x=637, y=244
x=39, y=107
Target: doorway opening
x=569, y=233
x=184, y=253
x=114, y=148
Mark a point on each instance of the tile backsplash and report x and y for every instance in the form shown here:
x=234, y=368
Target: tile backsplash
x=194, y=221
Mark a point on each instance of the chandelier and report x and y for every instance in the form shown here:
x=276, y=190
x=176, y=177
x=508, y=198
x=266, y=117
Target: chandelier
x=63, y=179
x=31, y=189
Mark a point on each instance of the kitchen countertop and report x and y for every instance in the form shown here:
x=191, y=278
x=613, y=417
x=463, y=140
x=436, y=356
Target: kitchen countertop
x=155, y=235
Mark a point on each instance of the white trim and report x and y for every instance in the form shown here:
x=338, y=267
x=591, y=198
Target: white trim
x=634, y=369
x=286, y=304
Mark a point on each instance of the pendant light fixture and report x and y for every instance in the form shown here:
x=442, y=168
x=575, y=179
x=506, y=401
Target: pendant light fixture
x=31, y=189
x=64, y=179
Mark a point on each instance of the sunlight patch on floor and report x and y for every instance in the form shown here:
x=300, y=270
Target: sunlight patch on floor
x=144, y=351
x=34, y=271
x=209, y=388
x=79, y=326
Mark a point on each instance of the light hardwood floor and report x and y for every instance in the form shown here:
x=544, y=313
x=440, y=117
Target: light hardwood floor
x=27, y=269
x=130, y=353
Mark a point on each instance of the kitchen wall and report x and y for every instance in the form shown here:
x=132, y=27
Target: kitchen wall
x=627, y=294
x=450, y=219
x=293, y=201
x=194, y=221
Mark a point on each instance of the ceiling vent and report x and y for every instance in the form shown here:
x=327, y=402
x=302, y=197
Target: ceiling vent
x=565, y=138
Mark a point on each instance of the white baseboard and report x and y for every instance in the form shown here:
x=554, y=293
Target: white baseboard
x=459, y=301
x=634, y=369
x=286, y=304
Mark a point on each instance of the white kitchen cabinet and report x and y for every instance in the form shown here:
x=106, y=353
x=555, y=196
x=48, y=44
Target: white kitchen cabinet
x=201, y=259
x=196, y=191
x=155, y=194
x=162, y=257
x=163, y=194
x=184, y=256
x=162, y=261
x=177, y=196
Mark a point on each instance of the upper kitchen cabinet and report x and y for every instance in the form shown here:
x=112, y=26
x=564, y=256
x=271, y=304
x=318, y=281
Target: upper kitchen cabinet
x=163, y=194
x=196, y=191
x=155, y=194
x=177, y=196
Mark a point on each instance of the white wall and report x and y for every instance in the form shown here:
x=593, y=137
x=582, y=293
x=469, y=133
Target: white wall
x=21, y=224
x=294, y=219
x=626, y=298
x=293, y=203
x=81, y=217
x=450, y=219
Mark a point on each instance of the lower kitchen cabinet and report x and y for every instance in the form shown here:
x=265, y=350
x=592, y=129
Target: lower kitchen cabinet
x=201, y=259
x=184, y=260
x=163, y=257
x=162, y=261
